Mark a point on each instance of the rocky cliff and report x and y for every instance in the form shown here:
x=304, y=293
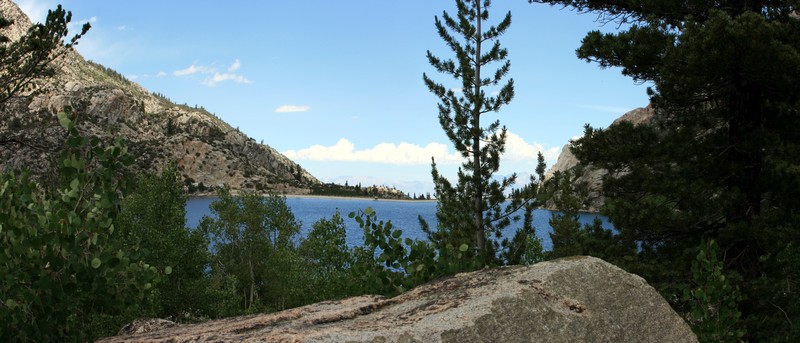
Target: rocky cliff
x=207, y=151
x=591, y=176
x=576, y=299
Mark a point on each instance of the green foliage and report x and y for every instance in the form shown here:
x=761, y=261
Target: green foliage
x=329, y=260
x=388, y=264
x=713, y=298
x=379, y=263
x=567, y=236
x=62, y=264
x=332, y=189
x=154, y=218
x=25, y=61
x=253, y=237
x=473, y=211
x=534, y=251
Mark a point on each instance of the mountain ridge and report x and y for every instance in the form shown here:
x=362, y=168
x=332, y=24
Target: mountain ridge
x=207, y=151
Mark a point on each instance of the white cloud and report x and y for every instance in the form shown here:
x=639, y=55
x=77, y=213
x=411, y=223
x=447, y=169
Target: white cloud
x=161, y=74
x=221, y=77
x=215, y=76
x=121, y=28
x=292, y=108
x=76, y=25
x=235, y=66
x=517, y=150
x=385, y=153
x=194, y=69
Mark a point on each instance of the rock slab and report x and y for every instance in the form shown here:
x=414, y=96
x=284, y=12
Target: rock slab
x=575, y=299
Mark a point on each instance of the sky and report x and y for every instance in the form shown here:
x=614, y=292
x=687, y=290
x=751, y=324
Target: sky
x=337, y=85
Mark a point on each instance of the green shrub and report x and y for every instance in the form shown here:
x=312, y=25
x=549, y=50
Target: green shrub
x=253, y=238
x=713, y=298
x=328, y=260
x=389, y=265
x=62, y=265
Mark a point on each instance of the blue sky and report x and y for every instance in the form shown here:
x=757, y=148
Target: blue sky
x=337, y=85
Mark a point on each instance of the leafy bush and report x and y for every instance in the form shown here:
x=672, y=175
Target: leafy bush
x=253, y=240
x=62, y=265
x=713, y=298
x=154, y=218
x=328, y=260
x=388, y=264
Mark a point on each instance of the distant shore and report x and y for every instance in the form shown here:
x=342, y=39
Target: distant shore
x=331, y=197
x=335, y=197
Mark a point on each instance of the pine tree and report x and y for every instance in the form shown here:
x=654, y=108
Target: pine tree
x=472, y=211
x=567, y=234
x=721, y=160
x=28, y=59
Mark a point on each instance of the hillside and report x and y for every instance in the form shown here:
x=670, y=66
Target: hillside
x=207, y=151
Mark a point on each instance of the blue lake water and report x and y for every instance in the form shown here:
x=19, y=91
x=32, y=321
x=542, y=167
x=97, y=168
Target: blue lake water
x=402, y=214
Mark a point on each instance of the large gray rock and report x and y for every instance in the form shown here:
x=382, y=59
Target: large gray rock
x=577, y=299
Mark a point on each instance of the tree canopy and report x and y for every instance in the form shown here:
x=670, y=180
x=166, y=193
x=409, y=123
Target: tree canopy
x=720, y=161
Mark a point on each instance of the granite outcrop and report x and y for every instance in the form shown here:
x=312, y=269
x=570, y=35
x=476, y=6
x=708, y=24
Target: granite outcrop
x=574, y=299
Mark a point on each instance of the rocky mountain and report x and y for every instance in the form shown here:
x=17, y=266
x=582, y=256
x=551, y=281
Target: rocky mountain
x=207, y=151
x=574, y=299
x=588, y=174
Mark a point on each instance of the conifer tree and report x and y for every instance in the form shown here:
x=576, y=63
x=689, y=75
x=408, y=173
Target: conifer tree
x=472, y=211
x=721, y=160
x=28, y=59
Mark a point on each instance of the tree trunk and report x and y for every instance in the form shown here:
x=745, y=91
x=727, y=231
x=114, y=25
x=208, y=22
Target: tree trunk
x=252, y=281
x=476, y=142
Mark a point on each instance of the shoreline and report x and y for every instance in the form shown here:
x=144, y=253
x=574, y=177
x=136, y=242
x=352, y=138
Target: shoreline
x=338, y=197
x=313, y=196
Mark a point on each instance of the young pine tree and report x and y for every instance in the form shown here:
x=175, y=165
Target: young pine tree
x=472, y=211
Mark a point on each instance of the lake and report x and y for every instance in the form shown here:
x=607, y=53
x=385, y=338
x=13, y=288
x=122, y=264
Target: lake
x=403, y=215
